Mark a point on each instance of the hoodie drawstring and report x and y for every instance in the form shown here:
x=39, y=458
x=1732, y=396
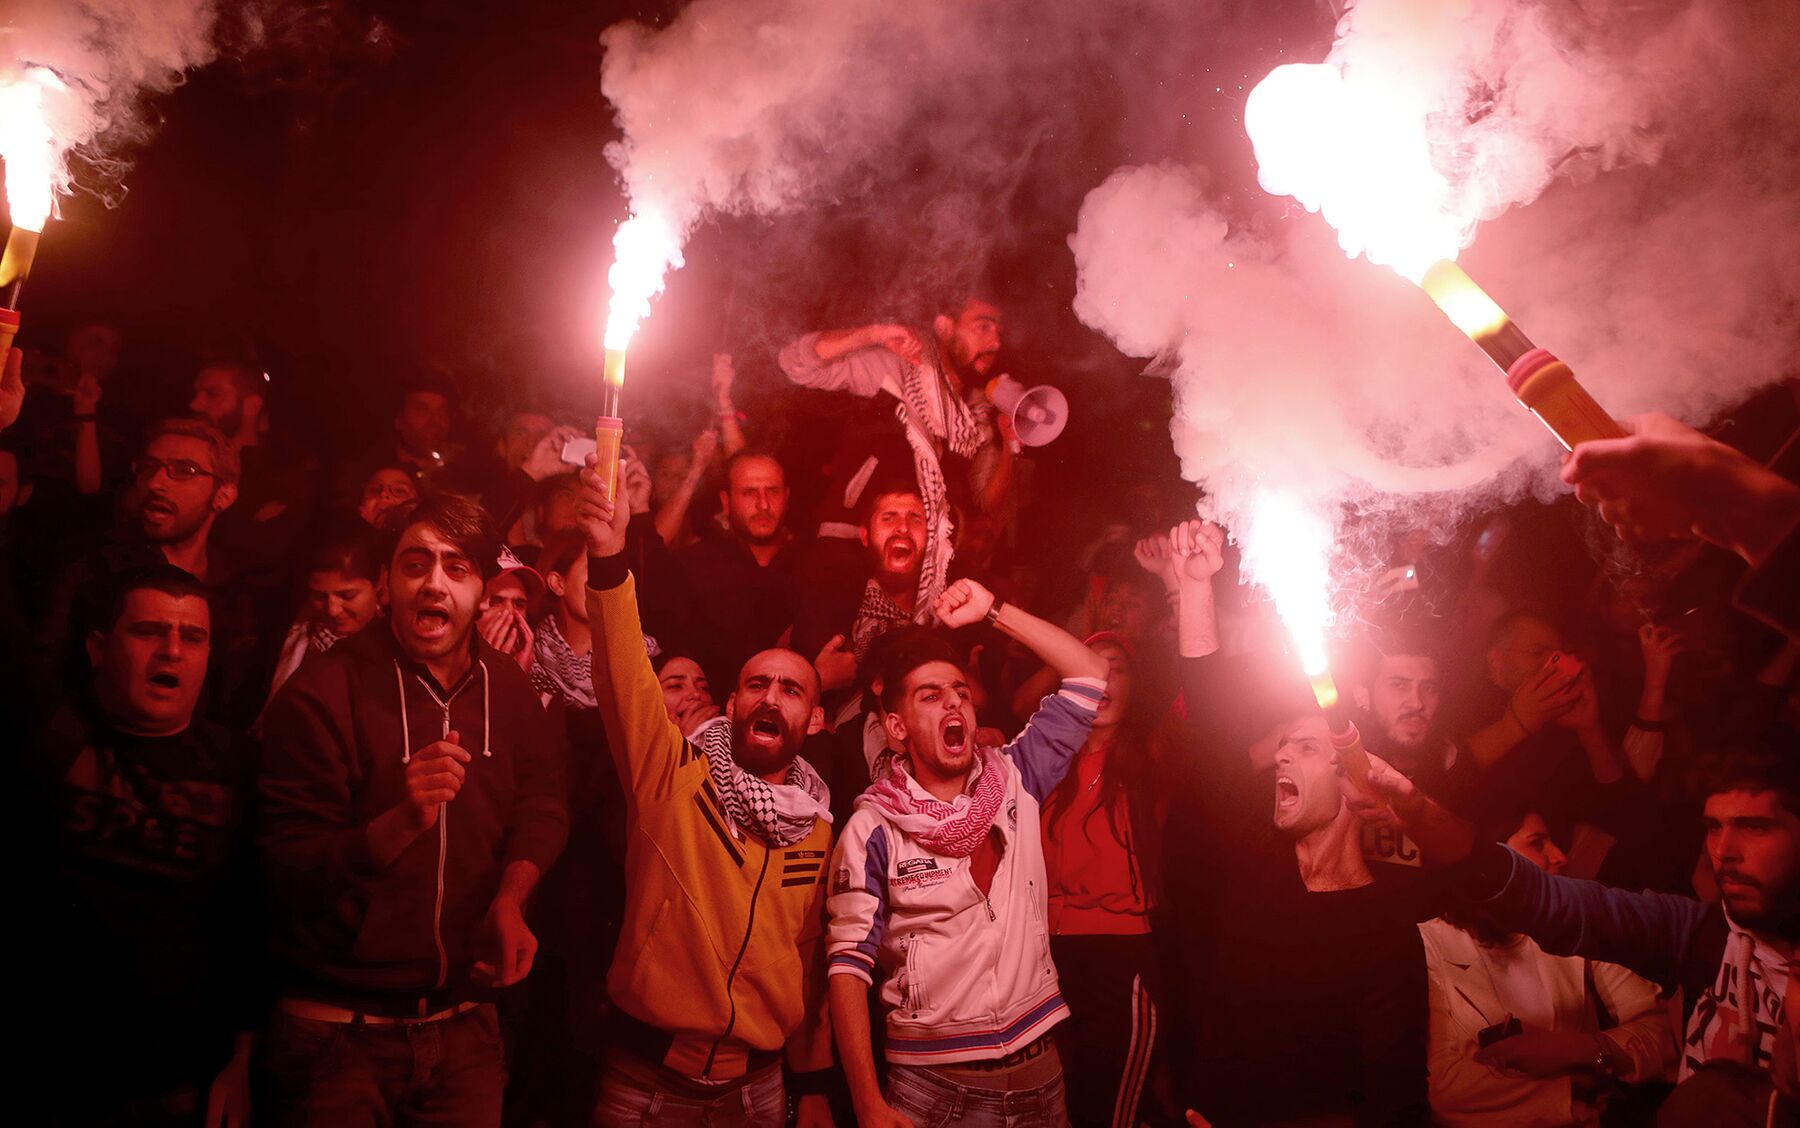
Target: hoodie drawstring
x=487, y=748
x=405, y=730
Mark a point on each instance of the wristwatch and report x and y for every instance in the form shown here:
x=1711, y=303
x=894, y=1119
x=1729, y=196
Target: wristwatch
x=993, y=615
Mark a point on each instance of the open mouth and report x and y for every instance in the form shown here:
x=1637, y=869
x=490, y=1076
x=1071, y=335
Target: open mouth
x=900, y=550
x=157, y=507
x=432, y=621
x=766, y=727
x=164, y=680
x=1287, y=792
x=956, y=734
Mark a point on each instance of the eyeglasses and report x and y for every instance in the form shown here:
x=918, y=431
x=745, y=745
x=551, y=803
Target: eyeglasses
x=178, y=469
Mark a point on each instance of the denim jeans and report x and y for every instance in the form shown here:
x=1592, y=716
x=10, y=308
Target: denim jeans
x=931, y=1100
x=630, y=1095
x=340, y=1075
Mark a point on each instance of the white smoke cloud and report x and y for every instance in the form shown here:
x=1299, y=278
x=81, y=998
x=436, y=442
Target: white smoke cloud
x=1638, y=166
x=109, y=54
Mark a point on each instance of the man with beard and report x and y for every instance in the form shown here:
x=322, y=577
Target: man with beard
x=185, y=479
x=1300, y=990
x=1733, y=959
x=718, y=973
x=1398, y=694
x=939, y=882
x=881, y=595
x=938, y=378
x=277, y=479
x=738, y=589
x=412, y=796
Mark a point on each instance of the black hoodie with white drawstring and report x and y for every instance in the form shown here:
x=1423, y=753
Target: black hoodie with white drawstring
x=336, y=742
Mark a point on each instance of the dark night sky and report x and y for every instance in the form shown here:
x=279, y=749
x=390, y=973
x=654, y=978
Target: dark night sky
x=421, y=186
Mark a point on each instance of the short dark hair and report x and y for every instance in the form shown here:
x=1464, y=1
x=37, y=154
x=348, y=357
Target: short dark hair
x=560, y=551
x=434, y=385
x=906, y=651
x=165, y=578
x=458, y=519
x=1409, y=640
x=745, y=455
x=224, y=456
x=350, y=547
x=248, y=379
x=881, y=489
x=1508, y=622
x=1748, y=769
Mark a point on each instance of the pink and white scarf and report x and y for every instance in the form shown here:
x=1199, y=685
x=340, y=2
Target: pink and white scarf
x=952, y=829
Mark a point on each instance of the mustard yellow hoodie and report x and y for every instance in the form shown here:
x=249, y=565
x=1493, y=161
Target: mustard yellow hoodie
x=722, y=946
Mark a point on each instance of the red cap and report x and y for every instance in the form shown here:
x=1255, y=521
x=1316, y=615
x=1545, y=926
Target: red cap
x=9, y=316
x=612, y=421
x=1528, y=366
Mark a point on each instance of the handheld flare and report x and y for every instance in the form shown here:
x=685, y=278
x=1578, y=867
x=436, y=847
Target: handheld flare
x=609, y=429
x=1346, y=740
x=1544, y=384
x=15, y=264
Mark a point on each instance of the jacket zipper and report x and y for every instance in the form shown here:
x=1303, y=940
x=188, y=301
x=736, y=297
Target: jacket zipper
x=731, y=976
x=437, y=908
x=443, y=826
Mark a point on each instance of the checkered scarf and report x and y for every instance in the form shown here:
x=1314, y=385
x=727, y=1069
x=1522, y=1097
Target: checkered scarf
x=877, y=615
x=930, y=412
x=558, y=671
x=779, y=814
x=951, y=829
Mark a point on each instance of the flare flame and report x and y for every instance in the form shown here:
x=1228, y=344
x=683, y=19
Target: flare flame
x=1287, y=549
x=28, y=145
x=645, y=248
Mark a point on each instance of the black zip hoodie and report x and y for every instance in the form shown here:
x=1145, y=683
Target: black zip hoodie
x=336, y=741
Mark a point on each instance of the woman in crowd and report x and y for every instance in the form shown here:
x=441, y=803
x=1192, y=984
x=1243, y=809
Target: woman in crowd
x=1516, y=1034
x=1101, y=878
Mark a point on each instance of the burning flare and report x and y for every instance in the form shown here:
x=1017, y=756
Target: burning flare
x=1287, y=549
x=1355, y=146
x=28, y=146
x=645, y=248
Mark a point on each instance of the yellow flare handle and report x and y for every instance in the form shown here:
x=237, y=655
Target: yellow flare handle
x=609, y=434
x=1558, y=399
x=15, y=262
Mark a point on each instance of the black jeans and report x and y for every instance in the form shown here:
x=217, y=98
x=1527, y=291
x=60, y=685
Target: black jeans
x=314, y=1074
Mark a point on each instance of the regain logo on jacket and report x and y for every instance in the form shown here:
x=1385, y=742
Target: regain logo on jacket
x=918, y=873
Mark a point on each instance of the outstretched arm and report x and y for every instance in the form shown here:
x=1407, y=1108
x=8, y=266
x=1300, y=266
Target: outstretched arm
x=965, y=602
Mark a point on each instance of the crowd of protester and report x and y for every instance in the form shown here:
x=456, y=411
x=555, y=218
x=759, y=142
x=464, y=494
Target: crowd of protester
x=440, y=785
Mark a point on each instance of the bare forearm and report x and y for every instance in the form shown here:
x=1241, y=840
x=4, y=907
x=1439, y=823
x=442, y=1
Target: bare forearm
x=1603, y=758
x=87, y=458
x=517, y=881
x=673, y=513
x=850, y=1027
x=1490, y=745
x=1058, y=648
x=731, y=430
x=1196, y=619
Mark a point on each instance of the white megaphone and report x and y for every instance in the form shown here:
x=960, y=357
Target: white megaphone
x=1038, y=414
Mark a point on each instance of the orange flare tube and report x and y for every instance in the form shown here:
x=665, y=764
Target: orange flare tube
x=1346, y=741
x=1546, y=386
x=9, y=328
x=609, y=434
x=1540, y=381
x=15, y=263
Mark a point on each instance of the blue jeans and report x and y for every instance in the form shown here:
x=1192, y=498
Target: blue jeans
x=339, y=1075
x=630, y=1095
x=931, y=1100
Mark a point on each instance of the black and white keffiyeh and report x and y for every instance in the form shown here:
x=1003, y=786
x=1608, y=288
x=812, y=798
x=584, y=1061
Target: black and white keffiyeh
x=779, y=814
x=929, y=413
x=876, y=615
x=559, y=671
